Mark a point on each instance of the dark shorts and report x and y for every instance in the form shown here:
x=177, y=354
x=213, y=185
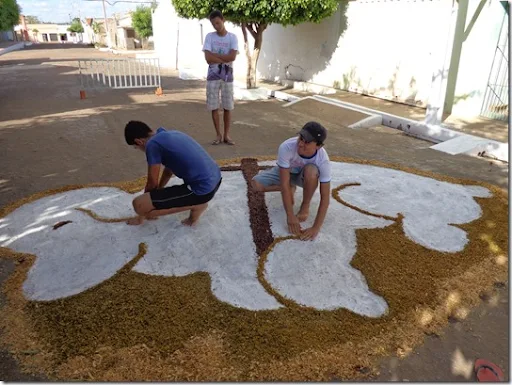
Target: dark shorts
x=179, y=196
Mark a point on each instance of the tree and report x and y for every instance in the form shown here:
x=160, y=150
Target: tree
x=9, y=14
x=32, y=19
x=35, y=31
x=96, y=28
x=142, y=22
x=76, y=26
x=254, y=16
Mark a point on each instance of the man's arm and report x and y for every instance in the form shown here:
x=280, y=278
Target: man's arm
x=212, y=58
x=153, y=174
x=325, y=197
x=286, y=194
x=164, y=179
x=231, y=56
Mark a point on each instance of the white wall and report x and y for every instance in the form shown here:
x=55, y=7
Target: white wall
x=88, y=34
x=165, y=29
x=386, y=48
x=477, y=56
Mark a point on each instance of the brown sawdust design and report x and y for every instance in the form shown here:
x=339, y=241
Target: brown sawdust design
x=134, y=327
x=96, y=217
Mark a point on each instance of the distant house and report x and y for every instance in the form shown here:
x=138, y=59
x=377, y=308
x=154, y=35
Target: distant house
x=125, y=33
x=48, y=33
x=120, y=31
x=21, y=30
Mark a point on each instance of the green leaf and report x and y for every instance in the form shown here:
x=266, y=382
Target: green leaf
x=142, y=22
x=9, y=14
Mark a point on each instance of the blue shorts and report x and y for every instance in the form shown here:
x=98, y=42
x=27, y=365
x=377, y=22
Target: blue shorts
x=271, y=177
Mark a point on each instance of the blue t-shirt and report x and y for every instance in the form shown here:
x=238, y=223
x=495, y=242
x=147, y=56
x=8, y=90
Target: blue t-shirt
x=186, y=158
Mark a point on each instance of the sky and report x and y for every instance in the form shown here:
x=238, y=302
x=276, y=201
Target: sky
x=59, y=11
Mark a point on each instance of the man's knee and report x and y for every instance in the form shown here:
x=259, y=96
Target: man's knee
x=256, y=186
x=142, y=204
x=311, y=173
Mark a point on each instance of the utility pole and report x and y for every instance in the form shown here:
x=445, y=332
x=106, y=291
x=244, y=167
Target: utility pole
x=109, y=44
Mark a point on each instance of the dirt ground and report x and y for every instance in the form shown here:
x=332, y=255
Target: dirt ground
x=51, y=138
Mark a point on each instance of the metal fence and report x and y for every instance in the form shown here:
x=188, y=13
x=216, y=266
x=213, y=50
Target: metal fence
x=495, y=105
x=119, y=73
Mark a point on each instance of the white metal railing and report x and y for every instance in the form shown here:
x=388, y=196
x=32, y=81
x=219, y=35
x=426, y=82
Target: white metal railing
x=119, y=73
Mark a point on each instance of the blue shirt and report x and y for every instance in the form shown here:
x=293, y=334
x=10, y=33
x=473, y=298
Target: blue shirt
x=185, y=158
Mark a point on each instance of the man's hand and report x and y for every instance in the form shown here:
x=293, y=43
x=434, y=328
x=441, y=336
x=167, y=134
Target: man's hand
x=294, y=225
x=309, y=234
x=135, y=221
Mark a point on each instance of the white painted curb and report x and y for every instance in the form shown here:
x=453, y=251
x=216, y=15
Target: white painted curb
x=11, y=48
x=370, y=121
x=191, y=74
x=453, y=142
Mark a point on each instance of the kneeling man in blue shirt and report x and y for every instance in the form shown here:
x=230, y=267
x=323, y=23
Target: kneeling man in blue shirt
x=181, y=156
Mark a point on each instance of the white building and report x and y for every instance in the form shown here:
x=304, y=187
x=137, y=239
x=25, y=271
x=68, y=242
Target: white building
x=48, y=33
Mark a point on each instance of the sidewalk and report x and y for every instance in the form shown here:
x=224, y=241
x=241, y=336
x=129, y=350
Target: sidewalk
x=478, y=126
x=9, y=46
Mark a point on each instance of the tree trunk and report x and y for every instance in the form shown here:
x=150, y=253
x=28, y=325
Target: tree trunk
x=256, y=31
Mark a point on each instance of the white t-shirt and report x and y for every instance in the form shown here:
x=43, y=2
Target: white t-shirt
x=288, y=157
x=220, y=44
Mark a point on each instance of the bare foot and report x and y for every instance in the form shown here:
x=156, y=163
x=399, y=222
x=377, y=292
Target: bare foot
x=195, y=213
x=188, y=222
x=303, y=213
x=135, y=221
x=217, y=141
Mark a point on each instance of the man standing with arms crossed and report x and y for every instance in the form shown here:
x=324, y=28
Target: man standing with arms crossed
x=220, y=50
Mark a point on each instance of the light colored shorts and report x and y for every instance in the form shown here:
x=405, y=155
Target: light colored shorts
x=213, y=87
x=271, y=177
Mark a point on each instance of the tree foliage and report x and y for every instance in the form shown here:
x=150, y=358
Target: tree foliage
x=141, y=21
x=32, y=19
x=76, y=26
x=284, y=12
x=9, y=14
x=96, y=27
